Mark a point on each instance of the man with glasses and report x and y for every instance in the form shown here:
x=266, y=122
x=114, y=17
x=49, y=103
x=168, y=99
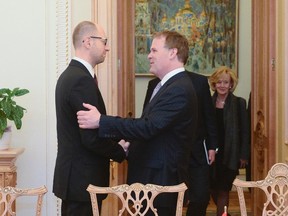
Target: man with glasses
x=83, y=157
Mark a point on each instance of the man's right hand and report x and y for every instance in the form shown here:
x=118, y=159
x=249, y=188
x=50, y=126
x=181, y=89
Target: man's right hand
x=88, y=119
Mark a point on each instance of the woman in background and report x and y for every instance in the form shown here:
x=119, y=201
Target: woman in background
x=233, y=135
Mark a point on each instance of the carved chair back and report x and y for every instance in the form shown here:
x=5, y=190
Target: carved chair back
x=275, y=187
x=8, y=196
x=137, y=198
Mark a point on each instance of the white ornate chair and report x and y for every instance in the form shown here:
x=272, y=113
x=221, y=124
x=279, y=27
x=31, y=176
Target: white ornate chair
x=133, y=196
x=8, y=195
x=275, y=186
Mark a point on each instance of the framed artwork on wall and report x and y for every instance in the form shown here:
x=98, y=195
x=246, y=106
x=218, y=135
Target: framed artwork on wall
x=211, y=27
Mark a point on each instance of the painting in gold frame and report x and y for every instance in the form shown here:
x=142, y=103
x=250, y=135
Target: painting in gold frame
x=211, y=27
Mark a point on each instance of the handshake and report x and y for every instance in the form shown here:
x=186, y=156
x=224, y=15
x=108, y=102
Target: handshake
x=125, y=145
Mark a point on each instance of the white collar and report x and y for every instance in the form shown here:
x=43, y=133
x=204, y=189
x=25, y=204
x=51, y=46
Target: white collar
x=171, y=74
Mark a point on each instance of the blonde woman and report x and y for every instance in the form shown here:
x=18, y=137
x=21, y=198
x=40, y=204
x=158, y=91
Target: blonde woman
x=233, y=135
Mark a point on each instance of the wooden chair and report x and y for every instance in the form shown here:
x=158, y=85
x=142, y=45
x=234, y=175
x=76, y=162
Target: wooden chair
x=133, y=196
x=275, y=186
x=8, y=195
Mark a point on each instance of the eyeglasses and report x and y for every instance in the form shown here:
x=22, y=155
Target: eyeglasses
x=104, y=40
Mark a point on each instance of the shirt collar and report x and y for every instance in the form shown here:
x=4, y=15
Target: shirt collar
x=86, y=64
x=171, y=74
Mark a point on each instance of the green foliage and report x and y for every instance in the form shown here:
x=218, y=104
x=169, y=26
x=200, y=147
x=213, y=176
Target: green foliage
x=9, y=110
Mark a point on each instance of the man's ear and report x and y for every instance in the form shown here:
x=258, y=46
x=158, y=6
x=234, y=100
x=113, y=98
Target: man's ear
x=86, y=42
x=173, y=52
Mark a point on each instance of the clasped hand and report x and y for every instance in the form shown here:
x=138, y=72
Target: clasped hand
x=125, y=145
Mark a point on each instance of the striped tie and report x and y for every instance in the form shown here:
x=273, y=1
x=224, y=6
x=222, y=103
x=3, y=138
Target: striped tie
x=156, y=89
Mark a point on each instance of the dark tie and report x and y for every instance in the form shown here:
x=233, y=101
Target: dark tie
x=95, y=79
x=156, y=89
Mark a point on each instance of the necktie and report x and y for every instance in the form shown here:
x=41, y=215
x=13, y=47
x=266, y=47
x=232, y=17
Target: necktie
x=156, y=89
x=96, y=81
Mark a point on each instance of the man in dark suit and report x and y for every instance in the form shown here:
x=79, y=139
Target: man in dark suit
x=82, y=157
x=161, y=138
x=203, y=149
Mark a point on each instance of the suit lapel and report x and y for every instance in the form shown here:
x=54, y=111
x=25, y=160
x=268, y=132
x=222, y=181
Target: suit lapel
x=100, y=102
x=168, y=83
x=162, y=90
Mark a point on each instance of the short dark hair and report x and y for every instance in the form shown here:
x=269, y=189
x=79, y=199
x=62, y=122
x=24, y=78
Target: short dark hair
x=84, y=27
x=174, y=39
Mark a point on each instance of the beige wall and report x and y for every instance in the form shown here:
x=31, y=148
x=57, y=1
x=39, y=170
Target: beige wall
x=244, y=85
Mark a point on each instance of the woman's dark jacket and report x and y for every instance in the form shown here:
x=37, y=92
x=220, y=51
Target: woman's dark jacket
x=236, y=127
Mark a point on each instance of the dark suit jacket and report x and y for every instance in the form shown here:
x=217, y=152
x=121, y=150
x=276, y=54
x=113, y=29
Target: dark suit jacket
x=206, y=130
x=206, y=123
x=160, y=150
x=82, y=157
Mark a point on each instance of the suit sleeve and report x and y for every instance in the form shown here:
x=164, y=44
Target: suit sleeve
x=163, y=114
x=85, y=91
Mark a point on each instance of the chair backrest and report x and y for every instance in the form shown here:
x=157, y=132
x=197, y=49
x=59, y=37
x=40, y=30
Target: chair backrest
x=8, y=195
x=135, y=195
x=275, y=187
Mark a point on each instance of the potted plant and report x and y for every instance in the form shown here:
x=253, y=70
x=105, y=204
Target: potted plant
x=10, y=110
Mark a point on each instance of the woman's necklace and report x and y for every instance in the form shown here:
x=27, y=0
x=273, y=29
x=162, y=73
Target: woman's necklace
x=220, y=101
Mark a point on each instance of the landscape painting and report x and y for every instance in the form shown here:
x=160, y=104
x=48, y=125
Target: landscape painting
x=211, y=27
